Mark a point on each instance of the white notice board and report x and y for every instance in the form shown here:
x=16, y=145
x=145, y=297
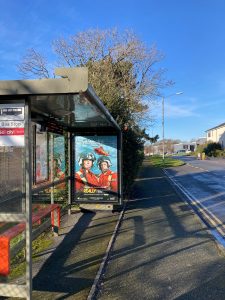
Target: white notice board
x=12, y=125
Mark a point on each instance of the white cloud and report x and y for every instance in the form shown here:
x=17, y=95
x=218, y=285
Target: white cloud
x=178, y=107
x=180, y=111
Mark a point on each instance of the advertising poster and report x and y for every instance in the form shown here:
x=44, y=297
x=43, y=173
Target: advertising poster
x=11, y=125
x=59, y=157
x=41, y=157
x=96, y=169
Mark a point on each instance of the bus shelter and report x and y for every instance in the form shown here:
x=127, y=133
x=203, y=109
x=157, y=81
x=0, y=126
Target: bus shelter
x=59, y=145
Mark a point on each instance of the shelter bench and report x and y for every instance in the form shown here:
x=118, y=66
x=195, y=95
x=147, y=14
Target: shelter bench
x=38, y=213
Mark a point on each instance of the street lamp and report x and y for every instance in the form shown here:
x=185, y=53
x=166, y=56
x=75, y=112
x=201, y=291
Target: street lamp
x=163, y=122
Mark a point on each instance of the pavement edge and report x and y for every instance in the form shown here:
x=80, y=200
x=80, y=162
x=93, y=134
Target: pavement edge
x=97, y=282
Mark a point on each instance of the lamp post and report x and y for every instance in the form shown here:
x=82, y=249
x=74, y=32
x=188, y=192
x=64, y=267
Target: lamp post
x=163, y=123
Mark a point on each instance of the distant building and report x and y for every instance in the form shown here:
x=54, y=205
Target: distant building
x=188, y=147
x=201, y=141
x=170, y=147
x=216, y=134
x=151, y=150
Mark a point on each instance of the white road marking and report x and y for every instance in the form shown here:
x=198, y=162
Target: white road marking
x=198, y=167
x=212, y=219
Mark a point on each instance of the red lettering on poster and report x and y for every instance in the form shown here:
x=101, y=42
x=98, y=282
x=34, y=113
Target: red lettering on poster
x=11, y=131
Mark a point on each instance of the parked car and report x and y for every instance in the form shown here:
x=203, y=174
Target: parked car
x=183, y=151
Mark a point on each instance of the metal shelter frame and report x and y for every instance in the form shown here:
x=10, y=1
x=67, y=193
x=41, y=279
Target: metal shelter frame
x=58, y=102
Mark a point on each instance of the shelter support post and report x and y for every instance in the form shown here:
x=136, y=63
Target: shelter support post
x=52, y=166
x=28, y=200
x=120, y=167
x=70, y=170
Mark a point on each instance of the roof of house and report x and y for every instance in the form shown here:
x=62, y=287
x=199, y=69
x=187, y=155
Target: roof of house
x=221, y=125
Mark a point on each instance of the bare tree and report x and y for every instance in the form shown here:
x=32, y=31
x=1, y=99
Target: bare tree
x=33, y=65
x=121, y=69
x=168, y=145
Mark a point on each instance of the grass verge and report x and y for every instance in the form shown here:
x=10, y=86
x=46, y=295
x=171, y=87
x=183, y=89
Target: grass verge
x=157, y=161
x=18, y=264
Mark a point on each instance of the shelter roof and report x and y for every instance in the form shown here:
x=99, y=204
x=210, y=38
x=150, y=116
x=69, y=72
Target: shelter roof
x=70, y=100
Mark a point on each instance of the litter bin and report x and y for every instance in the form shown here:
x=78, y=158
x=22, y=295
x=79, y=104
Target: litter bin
x=203, y=155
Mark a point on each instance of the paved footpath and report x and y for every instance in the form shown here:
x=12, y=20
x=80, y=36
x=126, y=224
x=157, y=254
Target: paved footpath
x=163, y=251
x=67, y=269
x=72, y=263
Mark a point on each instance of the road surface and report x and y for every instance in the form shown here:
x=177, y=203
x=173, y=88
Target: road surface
x=203, y=181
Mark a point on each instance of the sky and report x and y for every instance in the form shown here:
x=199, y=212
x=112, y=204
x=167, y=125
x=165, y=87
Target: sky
x=190, y=33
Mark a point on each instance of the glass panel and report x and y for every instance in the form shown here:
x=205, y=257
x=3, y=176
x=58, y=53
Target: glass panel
x=61, y=194
x=12, y=257
x=11, y=179
x=86, y=113
x=41, y=157
x=43, y=196
x=58, y=193
x=72, y=110
x=11, y=157
x=59, y=165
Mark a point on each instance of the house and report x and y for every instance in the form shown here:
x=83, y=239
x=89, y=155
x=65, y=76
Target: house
x=201, y=141
x=216, y=134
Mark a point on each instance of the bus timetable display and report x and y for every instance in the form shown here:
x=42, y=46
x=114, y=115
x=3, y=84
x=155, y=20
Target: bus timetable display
x=12, y=125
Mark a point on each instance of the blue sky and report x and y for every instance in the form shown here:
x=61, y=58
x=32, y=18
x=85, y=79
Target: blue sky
x=191, y=34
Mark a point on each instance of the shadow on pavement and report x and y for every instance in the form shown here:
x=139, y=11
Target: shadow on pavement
x=162, y=250
x=55, y=275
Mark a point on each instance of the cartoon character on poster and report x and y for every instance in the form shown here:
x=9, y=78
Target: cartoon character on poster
x=96, y=164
